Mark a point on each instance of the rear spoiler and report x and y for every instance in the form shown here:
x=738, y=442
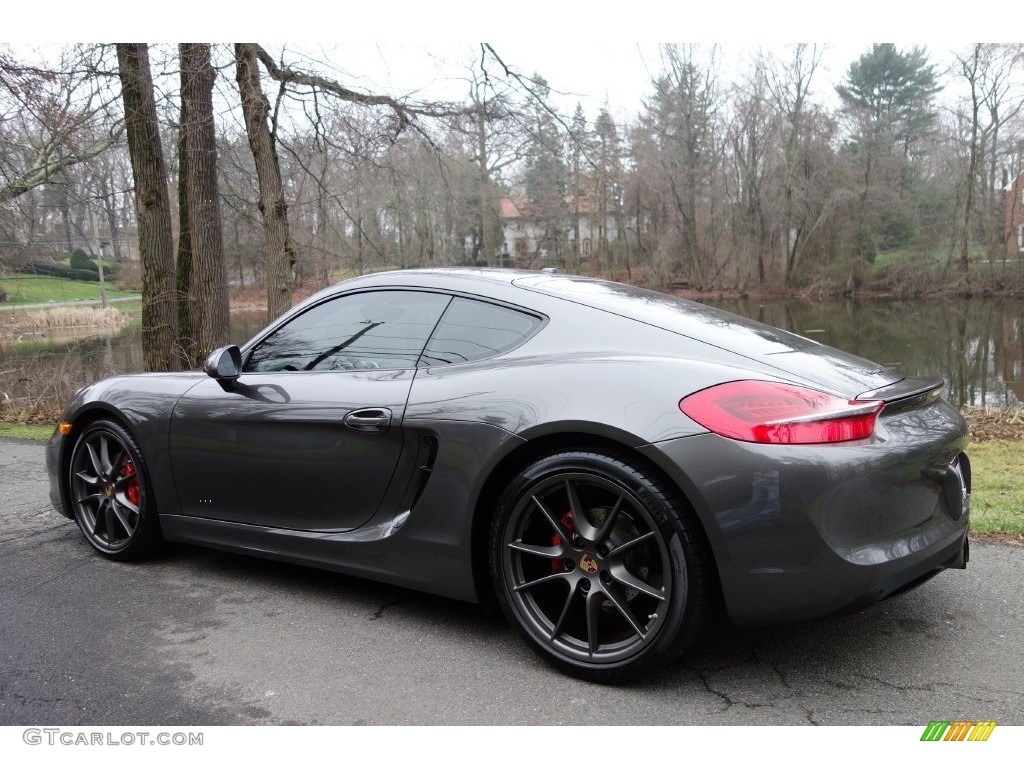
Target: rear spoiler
x=906, y=393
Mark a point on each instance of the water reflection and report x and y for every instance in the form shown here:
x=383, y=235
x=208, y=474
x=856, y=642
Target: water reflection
x=41, y=369
x=977, y=347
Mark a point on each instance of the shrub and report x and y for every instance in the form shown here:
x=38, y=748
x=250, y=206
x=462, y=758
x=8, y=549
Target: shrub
x=42, y=268
x=59, y=270
x=85, y=275
x=80, y=260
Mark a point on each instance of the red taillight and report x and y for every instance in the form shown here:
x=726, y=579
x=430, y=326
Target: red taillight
x=770, y=412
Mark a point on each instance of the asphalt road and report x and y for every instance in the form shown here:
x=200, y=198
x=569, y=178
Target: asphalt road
x=204, y=638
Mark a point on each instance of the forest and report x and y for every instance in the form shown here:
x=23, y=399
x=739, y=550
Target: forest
x=193, y=167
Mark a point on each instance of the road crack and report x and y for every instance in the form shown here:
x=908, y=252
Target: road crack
x=380, y=611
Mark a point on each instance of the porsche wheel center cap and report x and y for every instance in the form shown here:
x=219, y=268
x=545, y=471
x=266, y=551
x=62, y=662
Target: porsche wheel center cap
x=588, y=564
x=108, y=491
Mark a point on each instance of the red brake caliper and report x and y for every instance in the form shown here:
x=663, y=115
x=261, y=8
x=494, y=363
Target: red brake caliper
x=132, y=487
x=556, y=564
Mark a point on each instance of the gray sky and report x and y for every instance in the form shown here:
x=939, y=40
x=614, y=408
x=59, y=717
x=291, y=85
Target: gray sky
x=617, y=72
x=591, y=51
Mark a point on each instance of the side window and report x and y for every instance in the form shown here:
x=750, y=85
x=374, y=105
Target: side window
x=471, y=330
x=376, y=329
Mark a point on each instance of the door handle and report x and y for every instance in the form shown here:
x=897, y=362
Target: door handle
x=369, y=420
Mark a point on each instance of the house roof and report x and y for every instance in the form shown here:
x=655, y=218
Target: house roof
x=511, y=208
x=1012, y=181
x=519, y=207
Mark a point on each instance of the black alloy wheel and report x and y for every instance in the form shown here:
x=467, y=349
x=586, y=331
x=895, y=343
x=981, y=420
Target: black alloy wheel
x=600, y=565
x=110, y=492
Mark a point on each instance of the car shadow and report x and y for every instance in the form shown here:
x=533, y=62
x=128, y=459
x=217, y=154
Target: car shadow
x=861, y=645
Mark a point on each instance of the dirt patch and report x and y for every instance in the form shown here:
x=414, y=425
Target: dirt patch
x=254, y=298
x=986, y=424
x=1009, y=539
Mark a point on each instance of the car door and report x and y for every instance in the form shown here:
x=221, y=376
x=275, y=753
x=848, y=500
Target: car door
x=311, y=433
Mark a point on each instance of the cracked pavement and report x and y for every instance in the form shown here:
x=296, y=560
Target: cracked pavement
x=198, y=637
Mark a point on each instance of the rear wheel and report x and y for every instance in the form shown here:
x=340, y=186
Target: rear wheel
x=601, y=566
x=110, y=493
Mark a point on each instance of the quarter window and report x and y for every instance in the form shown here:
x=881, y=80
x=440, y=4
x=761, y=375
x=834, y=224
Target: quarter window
x=372, y=330
x=473, y=330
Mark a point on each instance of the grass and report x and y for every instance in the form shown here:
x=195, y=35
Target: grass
x=997, y=496
x=39, y=289
x=939, y=258
x=26, y=431
x=905, y=253
x=133, y=308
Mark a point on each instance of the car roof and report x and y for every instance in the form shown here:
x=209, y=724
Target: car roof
x=437, y=276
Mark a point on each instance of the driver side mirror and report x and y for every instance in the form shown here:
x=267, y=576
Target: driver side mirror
x=224, y=365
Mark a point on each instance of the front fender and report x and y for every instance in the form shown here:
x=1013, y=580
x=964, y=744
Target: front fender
x=143, y=403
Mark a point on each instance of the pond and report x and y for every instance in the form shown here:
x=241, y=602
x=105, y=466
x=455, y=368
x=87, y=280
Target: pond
x=976, y=346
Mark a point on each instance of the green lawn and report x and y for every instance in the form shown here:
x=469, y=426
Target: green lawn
x=130, y=308
x=997, y=495
x=939, y=256
x=39, y=289
x=26, y=431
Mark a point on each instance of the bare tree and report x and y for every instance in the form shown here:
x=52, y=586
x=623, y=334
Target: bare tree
x=156, y=244
x=187, y=345
x=109, y=183
x=972, y=69
x=306, y=86
x=498, y=144
x=66, y=107
x=752, y=133
x=1003, y=100
x=790, y=85
x=208, y=284
x=272, y=206
x=679, y=154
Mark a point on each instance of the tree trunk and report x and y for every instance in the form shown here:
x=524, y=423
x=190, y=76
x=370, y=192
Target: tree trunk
x=65, y=216
x=153, y=211
x=106, y=182
x=208, y=284
x=487, y=233
x=187, y=347
x=273, y=210
x=994, y=216
x=971, y=74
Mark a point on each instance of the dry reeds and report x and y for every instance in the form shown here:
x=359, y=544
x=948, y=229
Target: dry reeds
x=64, y=317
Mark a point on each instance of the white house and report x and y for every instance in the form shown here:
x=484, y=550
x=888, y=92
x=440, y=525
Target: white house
x=522, y=232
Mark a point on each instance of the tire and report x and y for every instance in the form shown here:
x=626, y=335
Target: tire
x=110, y=494
x=600, y=564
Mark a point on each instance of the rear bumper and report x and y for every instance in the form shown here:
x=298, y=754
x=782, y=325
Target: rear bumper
x=800, y=532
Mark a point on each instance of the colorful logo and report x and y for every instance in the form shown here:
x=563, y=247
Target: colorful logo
x=958, y=730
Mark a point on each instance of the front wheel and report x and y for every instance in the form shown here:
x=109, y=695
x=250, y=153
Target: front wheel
x=600, y=564
x=110, y=494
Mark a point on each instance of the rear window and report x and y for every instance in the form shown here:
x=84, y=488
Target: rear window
x=473, y=330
